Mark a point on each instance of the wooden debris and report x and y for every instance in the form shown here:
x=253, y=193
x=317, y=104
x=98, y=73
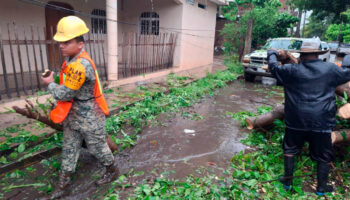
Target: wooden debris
x=344, y=111
x=31, y=112
x=265, y=120
x=343, y=88
x=340, y=136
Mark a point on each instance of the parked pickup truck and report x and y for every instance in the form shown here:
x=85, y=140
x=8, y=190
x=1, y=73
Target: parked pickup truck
x=255, y=62
x=343, y=49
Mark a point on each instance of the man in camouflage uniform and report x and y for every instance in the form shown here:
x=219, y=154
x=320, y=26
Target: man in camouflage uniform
x=85, y=120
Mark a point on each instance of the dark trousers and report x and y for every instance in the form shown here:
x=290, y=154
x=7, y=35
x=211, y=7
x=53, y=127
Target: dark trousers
x=320, y=144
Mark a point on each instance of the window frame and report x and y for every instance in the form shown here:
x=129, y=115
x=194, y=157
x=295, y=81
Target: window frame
x=149, y=23
x=101, y=23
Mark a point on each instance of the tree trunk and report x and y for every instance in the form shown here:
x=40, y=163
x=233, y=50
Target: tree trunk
x=339, y=33
x=241, y=49
x=344, y=111
x=265, y=120
x=32, y=113
x=343, y=88
x=297, y=32
x=248, y=37
x=304, y=23
x=340, y=136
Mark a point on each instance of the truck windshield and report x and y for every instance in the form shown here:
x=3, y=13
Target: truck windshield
x=345, y=45
x=333, y=45
x=283, y=44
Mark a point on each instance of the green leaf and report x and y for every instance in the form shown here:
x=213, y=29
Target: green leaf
x=252, y=182
x=298, y=189
x=3, y=160
x=13, y=155
x=21, y=148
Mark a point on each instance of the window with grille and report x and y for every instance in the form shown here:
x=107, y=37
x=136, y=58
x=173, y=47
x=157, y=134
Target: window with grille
x=149, y=23
x=98, y=23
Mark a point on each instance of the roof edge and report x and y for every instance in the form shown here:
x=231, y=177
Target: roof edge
x=220, y=2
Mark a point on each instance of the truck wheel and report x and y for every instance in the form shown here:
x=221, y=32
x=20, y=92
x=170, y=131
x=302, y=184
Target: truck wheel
x=249, y=77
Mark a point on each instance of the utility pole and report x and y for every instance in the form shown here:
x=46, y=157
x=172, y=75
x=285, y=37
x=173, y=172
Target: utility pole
x=112, y=39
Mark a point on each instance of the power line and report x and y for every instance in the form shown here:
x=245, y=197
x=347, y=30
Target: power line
x=67, y=10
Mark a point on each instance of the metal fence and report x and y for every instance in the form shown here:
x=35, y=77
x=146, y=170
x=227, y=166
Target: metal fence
x=25, y=52
x=141, y=54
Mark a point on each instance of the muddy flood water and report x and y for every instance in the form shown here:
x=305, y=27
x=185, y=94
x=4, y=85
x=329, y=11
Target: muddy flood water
x=178, y=145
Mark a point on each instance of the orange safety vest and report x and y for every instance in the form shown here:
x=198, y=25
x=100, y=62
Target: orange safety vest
x=62, y=109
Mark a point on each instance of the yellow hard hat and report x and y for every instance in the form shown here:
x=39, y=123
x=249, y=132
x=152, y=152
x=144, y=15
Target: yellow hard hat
x=70, y=27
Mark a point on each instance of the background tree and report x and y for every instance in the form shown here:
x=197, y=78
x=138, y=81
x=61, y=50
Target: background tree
x=267, y=23
x=333, y=30
x=340, y=32
x=301, y=5
x=325, y=8
x=317, y=26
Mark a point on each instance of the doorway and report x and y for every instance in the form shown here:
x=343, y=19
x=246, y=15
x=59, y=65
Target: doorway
x=54, y=11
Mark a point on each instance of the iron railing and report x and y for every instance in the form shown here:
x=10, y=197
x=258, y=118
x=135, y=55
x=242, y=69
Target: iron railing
x=141, y=54
x=26, y=52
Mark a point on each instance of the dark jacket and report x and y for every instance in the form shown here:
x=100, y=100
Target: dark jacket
x=346, y=61
x=309, y=89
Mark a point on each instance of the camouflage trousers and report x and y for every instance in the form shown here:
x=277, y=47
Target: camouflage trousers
x=95, y=142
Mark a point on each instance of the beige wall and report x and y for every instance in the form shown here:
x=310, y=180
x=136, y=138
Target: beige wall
x=169, y=13
x=24, y=13
x=194, y=26
x=197, y=43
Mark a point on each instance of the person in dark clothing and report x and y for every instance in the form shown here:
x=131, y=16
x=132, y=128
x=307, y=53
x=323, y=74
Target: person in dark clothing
x=310, y=108
x=346, y=61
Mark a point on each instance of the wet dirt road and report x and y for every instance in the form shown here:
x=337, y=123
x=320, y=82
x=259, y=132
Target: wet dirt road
x=210, y=145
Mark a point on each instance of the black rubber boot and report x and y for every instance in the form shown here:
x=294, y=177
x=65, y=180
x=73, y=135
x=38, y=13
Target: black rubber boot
x=110, y=175
x=322, y=179
x=286, y=180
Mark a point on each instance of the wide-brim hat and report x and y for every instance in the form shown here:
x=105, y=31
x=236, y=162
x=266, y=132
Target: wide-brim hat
x=311, y=46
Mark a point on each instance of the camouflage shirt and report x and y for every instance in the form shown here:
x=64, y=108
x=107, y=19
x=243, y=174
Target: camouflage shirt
x=85, y=112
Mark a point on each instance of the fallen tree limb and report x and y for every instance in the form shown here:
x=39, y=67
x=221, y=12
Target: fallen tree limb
x=344, y=111
x=265, y=120
x=343, y=88
x=37, y=116
x=31, y=112
x=340, y=136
